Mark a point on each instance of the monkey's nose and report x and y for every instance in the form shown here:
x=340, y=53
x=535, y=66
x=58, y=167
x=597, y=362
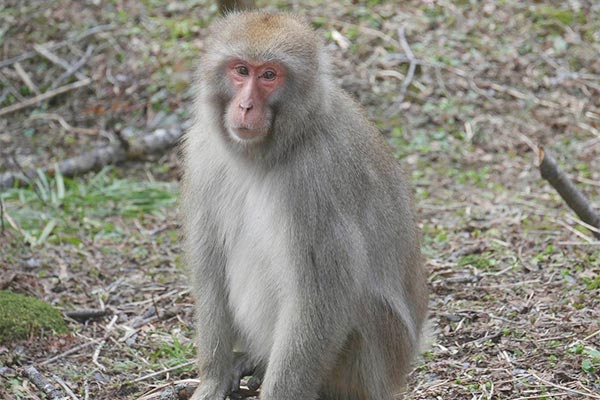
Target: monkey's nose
x=246, y=106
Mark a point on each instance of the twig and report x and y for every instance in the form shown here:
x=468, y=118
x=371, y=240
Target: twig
x=109, y=328
x=588, y=337
x=567, y=190
x=543, y=396
x=44, y=96
x=12, y=223
x=163, y=371
x=180, y=386
x=1, y=216
x=74, y=68
x=26, y=79
x=561, y=387
x=411, y=67
x=56, y=60
x=587, y=181
x=54, y=46
x=580, y=222
x=58, y=118
x=65, y=386
x=6, y=82
x=576, y=232
x=42, y=383
x=68, y=352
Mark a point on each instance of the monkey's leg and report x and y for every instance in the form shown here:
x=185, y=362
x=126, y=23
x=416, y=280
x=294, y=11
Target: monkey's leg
x=307, y=343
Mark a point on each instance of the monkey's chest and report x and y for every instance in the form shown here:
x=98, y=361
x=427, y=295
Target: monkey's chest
x=256, y=264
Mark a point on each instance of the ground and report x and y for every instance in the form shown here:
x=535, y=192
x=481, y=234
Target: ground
x=514, y=277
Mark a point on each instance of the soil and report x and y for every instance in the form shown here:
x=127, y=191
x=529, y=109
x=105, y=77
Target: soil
x=514, y=275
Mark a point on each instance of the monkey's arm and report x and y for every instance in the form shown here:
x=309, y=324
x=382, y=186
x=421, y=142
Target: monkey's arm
x=215, y=337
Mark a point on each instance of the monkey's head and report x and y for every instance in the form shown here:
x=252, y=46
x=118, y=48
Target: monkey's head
x=263, y=73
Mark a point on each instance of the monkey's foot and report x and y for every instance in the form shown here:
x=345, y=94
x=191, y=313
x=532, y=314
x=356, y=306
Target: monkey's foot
x=209, y=390
x=242, y=367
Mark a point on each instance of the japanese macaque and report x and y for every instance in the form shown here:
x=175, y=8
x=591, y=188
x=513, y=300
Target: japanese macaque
x=299, y=227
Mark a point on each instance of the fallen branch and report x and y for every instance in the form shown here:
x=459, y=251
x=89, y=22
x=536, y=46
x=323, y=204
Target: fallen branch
x=42, y=383
x=568, y=191
x=135, y=148
x=84, y=315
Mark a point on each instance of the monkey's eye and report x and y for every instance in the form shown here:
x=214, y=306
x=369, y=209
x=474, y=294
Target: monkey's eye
x=269, y=75
x=242, y=70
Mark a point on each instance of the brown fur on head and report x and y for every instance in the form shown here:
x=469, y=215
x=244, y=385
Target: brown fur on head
x=262, y=36
x=258, y=38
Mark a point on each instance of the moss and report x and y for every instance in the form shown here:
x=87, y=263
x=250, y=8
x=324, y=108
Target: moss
x=23, y=316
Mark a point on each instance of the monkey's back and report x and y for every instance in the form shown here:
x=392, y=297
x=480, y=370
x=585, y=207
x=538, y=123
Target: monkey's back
x=362, y=214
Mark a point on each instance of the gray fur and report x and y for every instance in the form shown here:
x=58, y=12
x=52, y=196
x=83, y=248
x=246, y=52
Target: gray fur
x=303, y=248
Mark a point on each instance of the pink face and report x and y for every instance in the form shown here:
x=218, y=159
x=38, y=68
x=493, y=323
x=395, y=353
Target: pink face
x=248, y=115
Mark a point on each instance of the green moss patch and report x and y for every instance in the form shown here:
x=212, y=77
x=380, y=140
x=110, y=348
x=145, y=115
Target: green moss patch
x=24, y=316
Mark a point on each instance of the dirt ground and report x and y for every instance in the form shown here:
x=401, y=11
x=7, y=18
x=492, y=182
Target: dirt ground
x=514, y=275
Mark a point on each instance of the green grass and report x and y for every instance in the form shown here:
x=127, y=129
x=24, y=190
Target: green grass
x=62, y=209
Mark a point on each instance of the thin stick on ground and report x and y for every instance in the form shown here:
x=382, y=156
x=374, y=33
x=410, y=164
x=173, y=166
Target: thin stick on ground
x=44, y=96
x=53, y=46
x=9, y=86
x=56, y=60
x=58, y=118
x=164, y=371
x=411, y=67
x=109, y=329
x=42, y=383
x=561, y=387
x=26, y=78
x=74, y=68
x=68, y=352
x=1, y=217
x=568, y=191
x=66, y=387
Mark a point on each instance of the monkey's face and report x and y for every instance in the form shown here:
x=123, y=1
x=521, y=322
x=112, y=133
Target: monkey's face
x=253, y=86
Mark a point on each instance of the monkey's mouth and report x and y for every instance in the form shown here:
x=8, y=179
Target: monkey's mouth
x=248, y=133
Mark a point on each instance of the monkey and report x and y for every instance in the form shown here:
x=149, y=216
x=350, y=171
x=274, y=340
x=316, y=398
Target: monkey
x=300, y=233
